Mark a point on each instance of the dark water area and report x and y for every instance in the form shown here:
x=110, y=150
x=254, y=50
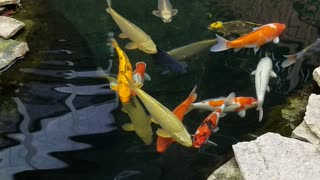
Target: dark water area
x=60, y=120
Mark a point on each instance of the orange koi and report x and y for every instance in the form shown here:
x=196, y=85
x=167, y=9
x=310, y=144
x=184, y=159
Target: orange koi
x=179, y=112
x=139, y=74
x=255, y=39
x=210, y=124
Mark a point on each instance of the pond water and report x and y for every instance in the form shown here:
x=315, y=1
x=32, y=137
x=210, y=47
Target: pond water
x=60, y=120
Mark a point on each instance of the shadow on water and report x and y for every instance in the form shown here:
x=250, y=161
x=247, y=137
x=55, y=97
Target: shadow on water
x=56, y=113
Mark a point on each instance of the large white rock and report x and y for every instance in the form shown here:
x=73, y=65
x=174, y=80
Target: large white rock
x=7, y=2
x=304, y=133
x=10, y=50
x=9, y=26
x=273, y=157
x=316, y=75
x=312, y=116
x=228, y=171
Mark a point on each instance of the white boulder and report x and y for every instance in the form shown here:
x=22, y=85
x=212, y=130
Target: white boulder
x=9, y=26
x=316, y=75
x=7, y=2
x=10, y=50
x=274, y=157
x=228, y=171
x=303, y=132
x=312, y=116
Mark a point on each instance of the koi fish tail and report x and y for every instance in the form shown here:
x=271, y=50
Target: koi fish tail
x=290, y=59
x=259, y=108
x=190, y=108
x=109, y=6
x=193, y=95
x=221, y=45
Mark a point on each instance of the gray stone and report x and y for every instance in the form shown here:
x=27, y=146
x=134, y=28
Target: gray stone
x=9, y=26
x=316, y=75
x=228, y=171
x=10, y=50
x=303, y=132
x=7, y=2
x=312, y=115
x=274, y=157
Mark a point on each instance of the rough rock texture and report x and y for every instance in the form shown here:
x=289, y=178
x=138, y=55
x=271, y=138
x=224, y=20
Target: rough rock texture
x=312, y=116
x=10, y=50
x=316, y=75
x=9, y=26
x=228, y=171
x=7, y=2
x=272, y=156
x=303, y=132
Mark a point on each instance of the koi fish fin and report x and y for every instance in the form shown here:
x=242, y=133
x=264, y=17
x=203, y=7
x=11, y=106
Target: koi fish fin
x=255, y=28
x=147, y=77
x=211, y=143
x=153, y=120
x=253, y=72
x=276, y=40
x=123, y=109
x=137, y=79
x=221, y=45
x=193, y=94
x=229, y=99
x=268, y=88
x=291, y=59
x=156, y=13
x=273, y=74
x=236, y=49
x=223, y=115
x=128, y=127
x=259, y=108
x=256, y=49
x=174, y=12
x=216, y=129
x=114, y=86
x=123, y=36
x=163, y=133
x=242, y=113
x=109, y=6
x=131, y=45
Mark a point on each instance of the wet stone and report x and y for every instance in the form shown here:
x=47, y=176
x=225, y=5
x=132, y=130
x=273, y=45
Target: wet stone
x=10, y=50
x=9, y=26
x=316, y=75
x=272, y=156
x=303, y=132
x=313, y=113
x=228, y=171
x=7, y=2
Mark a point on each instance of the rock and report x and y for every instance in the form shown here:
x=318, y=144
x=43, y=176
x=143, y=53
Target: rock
x=272, y=156
x=313, y=113
x=228, y=171
x=9, y=26
x=10, y=50
x=303, y=132
x=2, y=8
x=316, y=75
x=7, y=2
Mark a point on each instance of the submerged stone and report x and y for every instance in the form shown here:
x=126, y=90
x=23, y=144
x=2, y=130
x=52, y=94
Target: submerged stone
x=316, y=75
x=9, y=26
x=313, y=113
x=303, y=132
x=272, y=156
x=10, y=50
x=229, y=171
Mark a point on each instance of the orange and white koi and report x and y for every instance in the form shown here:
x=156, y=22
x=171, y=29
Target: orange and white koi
x=210, y=124
x=125, y=69
x=139, y=74
x=255, y=39
x=162, y=142
x=239, y=105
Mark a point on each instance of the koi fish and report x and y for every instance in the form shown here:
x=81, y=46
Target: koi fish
x=168, y=61
x=233, y=27
x=189, y=50
x=255, y=39
x=238, y=104
x=262, y=76
x=171, y=125
x=125, y=69
x=210, y=124
x=162, y=142
x=141, y=123
x=138, y=37
x=300, y=56
x=165, y=11
x=139, y=74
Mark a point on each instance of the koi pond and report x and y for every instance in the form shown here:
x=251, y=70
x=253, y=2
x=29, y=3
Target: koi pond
x=59, y=119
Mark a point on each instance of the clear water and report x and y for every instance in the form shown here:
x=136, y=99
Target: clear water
x=55, y=112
